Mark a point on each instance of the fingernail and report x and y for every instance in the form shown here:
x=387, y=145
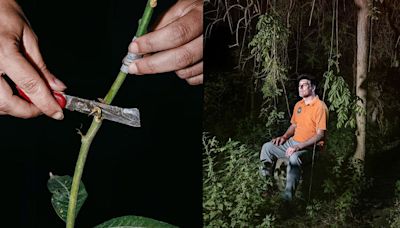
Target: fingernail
x=58, y=116
x=134, y=48
x=133, y=68
x=59, y=83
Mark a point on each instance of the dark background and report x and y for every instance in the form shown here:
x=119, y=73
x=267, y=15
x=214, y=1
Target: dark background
x=152, y=171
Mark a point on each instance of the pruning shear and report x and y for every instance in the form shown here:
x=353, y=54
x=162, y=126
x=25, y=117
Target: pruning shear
x=127, y=116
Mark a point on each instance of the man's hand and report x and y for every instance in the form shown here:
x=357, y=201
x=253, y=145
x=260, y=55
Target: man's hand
x=21, y=60
x=176, y=44
x=291, y=150
x=279, y=140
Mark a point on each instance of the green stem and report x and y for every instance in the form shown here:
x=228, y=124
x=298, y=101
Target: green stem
x=145, y=20
x=115, y=87
x=96, y=123
x=86, y=141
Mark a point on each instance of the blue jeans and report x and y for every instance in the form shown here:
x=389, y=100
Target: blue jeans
x=270, y=153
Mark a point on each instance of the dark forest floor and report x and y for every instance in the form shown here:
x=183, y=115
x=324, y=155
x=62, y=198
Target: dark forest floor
x=384, y=169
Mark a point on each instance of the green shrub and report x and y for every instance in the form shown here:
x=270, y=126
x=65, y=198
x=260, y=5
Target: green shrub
x=232, y=186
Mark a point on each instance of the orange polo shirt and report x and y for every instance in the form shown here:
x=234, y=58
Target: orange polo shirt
x=309, y=118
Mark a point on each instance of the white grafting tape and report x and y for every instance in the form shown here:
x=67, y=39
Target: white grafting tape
x=129, y=58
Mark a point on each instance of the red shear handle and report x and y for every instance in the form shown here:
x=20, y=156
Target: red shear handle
x=57, y=95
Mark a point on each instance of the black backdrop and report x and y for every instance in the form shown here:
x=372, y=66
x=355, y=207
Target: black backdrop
x=152, y=171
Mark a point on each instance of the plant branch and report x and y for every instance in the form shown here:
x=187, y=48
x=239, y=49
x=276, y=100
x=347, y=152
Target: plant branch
x=97, y=121
x=311, y=14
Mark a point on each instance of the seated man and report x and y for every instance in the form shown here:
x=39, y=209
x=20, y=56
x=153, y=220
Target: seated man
x=308, y=126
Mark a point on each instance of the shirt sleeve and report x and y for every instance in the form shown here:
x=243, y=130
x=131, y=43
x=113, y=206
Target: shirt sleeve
x=321, y=117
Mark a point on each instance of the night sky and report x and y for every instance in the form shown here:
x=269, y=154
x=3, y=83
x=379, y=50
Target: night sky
x=152, y=171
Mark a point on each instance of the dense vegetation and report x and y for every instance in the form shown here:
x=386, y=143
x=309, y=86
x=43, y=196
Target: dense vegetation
x=255, y=50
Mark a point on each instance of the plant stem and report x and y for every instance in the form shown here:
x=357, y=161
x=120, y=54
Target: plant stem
x=86, y=141
x=115, y=87
x=97, y=121
x=145, y=20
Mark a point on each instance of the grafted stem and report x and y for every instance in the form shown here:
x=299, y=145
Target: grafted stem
x=96, y=123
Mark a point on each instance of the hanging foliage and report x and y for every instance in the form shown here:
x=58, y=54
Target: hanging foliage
x=340, y=99
x=271, y=36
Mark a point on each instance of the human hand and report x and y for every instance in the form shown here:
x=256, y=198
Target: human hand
x=279, y=140
x=21, y=60
x=175, y=44
x=292, y=150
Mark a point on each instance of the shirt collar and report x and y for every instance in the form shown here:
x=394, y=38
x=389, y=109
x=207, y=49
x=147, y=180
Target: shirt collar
x=316, y=98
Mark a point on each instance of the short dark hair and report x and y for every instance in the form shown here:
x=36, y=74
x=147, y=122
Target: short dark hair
x=309, y=77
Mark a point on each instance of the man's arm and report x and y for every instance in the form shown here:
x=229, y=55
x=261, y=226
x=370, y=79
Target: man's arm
x=21, y=60
x=314, y=139
x=289, y=133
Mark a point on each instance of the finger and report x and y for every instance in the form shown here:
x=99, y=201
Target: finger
x=191, y=71
x=171, y=60
x=173, y=35
x=33, y=53
x=13, y=105
x=196, y=80
x=178, y=10
x=26, y=77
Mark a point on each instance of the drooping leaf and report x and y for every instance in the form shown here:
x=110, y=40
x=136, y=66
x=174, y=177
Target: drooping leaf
x=60, y=187
x=131, y=221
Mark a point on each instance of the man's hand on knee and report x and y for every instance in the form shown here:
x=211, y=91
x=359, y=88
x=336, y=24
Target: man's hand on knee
x=292, y=150
x=279, y=140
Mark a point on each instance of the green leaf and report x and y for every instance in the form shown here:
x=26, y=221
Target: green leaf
x=131, y=221
x=60, y=187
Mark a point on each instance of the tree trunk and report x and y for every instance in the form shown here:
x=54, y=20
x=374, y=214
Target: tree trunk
x=361, y=75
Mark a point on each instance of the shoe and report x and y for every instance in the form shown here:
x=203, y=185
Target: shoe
x=287, y=196
x=265, y=194
x=264, y=172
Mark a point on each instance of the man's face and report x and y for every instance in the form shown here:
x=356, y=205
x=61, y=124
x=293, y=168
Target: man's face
x=305, y=88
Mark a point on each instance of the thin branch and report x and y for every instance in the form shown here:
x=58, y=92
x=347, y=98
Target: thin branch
x=371, y=24
x=244, y=35
x=97, y=121
x=337, y=31
x=332, y=32
x=286, y=98
x=299, y=20
x=311, y=14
